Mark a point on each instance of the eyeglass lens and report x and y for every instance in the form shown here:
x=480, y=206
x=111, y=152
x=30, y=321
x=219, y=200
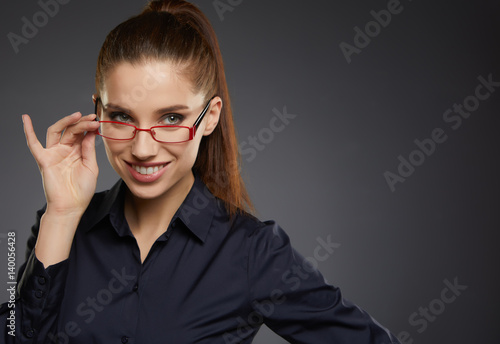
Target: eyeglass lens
x=123, y=131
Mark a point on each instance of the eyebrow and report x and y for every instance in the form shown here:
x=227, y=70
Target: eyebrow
x=171, y=108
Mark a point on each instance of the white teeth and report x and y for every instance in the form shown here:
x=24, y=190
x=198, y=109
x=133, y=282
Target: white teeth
x=147, y=170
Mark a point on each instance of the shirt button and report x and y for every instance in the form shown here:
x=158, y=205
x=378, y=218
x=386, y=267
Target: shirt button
x=30, y=333
x=124, y=339
x=136, y=287
x=39, y=294
x=41, y=280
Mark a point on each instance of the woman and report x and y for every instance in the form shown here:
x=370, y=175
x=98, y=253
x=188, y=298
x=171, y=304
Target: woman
x=171, y=252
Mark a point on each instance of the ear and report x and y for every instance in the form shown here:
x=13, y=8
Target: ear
x=213, y=115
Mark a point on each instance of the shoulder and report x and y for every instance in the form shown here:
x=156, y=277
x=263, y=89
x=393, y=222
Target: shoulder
x=262, y=236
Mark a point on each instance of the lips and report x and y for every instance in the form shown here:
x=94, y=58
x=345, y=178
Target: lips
x=147, y=172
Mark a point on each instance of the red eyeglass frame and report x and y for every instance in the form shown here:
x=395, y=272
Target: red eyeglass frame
x=192, y=130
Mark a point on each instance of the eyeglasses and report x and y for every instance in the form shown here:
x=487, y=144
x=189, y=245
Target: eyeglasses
x=161, y=133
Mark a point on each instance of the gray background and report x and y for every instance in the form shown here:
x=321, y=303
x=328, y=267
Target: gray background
x=323, y=175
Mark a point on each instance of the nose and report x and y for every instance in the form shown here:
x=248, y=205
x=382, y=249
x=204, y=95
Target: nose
x=144, y=146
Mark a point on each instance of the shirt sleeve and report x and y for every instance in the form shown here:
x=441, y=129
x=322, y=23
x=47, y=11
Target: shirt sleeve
x=296, y=302
x=39, y=293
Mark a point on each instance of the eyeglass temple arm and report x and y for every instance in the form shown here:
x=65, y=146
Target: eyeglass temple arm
x=97, y=100
x=200, y=118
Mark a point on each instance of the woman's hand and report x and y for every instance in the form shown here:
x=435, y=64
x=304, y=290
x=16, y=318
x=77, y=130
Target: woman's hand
x=68, y=163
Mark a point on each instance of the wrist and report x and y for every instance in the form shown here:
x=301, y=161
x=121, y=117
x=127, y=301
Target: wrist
x=63, y=215
x=60, y=224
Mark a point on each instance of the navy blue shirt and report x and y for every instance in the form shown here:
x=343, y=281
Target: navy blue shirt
x=208, y=278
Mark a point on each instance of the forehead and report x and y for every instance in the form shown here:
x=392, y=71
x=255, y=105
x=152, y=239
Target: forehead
x=148, y=85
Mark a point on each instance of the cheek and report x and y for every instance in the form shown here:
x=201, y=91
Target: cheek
x=112, y=149
x=186, y=152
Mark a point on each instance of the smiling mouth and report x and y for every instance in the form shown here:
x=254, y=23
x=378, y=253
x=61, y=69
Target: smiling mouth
x=147, y=170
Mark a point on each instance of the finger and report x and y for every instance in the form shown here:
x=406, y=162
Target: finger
x=54, y=132
x=75, y=133
x=90, y=117
x=34, y=145
x=88, y=150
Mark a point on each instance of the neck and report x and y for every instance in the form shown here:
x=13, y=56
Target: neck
x=151, y=217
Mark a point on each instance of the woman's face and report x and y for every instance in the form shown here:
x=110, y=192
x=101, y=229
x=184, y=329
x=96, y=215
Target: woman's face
x=146, y=95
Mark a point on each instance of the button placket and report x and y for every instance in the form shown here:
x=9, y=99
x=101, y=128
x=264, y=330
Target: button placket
x=41, y=284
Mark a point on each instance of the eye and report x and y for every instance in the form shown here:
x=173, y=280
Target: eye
x=172, y=119
x=119, y=117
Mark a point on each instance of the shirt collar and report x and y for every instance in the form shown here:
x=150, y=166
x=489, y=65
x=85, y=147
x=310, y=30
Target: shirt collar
x=101, y=205
x=195, y=213
x=197, y=210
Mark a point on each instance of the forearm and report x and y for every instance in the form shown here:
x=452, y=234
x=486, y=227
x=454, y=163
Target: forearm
x=55, y=237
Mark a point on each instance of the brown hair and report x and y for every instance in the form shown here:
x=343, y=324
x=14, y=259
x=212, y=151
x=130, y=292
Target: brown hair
x=178, y=32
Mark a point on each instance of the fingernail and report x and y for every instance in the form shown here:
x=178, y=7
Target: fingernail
x=22, y=117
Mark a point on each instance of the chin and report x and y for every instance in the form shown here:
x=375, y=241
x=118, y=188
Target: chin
x=146, y=193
